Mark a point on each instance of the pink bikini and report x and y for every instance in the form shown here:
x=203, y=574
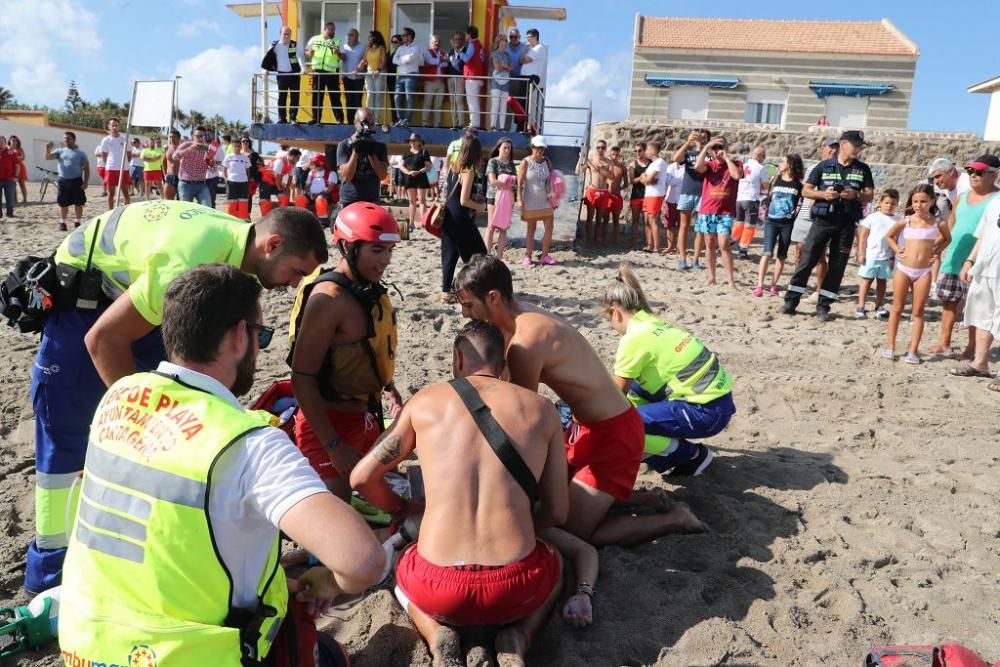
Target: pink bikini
x=914, y=234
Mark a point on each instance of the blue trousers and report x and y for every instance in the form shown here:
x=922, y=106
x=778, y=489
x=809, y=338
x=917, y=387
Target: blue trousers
x=65, y=392
x=192, y=191
x=669, y=425
x=406, y=84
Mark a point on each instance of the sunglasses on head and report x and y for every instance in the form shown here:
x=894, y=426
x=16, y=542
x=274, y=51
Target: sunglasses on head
x=264, y=333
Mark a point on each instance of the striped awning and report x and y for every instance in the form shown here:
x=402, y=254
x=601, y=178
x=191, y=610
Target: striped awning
x=664, y=81
x=849, y=89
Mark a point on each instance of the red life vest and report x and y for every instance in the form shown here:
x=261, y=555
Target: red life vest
x=477, y=64
x=277, y=168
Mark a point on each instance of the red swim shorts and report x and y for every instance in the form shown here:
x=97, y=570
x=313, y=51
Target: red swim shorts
x=671, y=216
x=111, y=177
x=356, y=430
x=100, y=173
x=615, y=203
x=478, y=594
x=652, y=205
x=597, y=198
x=152, y=176
x=606, y=455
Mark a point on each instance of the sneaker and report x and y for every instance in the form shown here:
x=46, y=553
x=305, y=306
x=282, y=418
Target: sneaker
x=788, y=308
x=743, y=254
x=548, y=260
x=773, y=291
x=683, y=266
x=823, y=314
x=527, y=261
x=758, y=291
x=860, y=313
x=62, y=227
x=889, y=354
x=697, y=267
x=911, y=358
x=695, y=466
x=881, y=313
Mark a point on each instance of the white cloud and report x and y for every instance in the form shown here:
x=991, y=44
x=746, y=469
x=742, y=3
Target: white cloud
x=36, y=33
x=217, y=81
x=605, y=84
x=199, y=28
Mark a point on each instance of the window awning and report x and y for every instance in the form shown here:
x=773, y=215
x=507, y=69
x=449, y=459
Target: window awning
x=848, y=89
x=664, y=81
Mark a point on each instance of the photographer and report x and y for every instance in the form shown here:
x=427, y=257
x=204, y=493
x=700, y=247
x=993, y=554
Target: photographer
x=839, y=187
x=363, y=161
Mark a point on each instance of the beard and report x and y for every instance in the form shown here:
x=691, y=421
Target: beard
x=245, y=371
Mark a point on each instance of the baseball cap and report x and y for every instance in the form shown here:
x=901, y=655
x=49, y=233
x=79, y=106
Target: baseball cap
x=985, y=162
x=538, y=141
x=942, y=164
x=831, y=141
x=415, y=137
x=856, y=137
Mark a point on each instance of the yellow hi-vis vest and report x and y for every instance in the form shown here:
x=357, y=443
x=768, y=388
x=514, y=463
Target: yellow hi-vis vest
x=143, y=583
x=326, y=53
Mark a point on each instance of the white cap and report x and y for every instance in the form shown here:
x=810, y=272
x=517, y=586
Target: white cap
x=538, y=141
x=942, y=164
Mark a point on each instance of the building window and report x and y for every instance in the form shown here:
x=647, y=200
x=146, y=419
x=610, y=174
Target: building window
x=687, y=103
x=765, y=106
x=843, y=111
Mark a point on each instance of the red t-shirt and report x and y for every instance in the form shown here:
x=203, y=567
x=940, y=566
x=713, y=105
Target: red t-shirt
x=8, y=164
x=718, y=191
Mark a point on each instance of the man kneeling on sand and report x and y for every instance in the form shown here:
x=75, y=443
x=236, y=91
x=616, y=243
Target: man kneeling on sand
x=488, y=451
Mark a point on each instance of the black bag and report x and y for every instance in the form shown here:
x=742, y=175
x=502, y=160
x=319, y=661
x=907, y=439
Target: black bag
x=28, y=293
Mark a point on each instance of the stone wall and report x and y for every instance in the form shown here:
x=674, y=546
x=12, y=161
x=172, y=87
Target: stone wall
x=897, y=159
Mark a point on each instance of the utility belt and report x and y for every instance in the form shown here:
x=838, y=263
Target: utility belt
x=250, y=622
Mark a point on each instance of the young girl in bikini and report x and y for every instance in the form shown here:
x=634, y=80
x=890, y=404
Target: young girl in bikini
x=924, y=236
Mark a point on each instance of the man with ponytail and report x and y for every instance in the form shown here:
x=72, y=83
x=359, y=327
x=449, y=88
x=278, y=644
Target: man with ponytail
x=604, y=444
x=678, y=385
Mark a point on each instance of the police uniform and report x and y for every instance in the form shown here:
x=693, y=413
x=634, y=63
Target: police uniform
x=834, y=223
x=326, y=63
x=138, y=250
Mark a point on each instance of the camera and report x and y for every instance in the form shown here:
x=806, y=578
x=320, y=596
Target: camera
x=364, y=139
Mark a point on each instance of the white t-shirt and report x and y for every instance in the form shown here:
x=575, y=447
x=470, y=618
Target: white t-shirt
x=408, y=58
x=319, y=180
x=303, y=162
x=113, y=146
x=539, y=54
x=236, y=166
x=878, y=224
x=97, y=154
x=988, y=233
x=254, y=483
x=754, y=179
x=675, y=181
x=961, y=188
x=136, y=154
x=213, y=169
x=282, y=60
x=658, y=168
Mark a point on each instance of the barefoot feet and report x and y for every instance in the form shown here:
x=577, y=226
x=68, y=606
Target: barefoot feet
x=511, y=647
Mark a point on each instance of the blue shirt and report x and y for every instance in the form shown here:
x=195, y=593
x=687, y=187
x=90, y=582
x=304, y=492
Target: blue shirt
x=70, y=162
x=515, y=57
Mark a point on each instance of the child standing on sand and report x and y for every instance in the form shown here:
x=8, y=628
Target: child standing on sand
x=874, y=254
x=924, y=237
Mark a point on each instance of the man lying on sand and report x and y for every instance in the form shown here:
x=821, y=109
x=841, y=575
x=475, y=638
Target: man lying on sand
x=478, y=560
x=605, y=443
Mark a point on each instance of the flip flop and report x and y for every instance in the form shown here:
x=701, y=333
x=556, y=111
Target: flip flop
x=967, y=371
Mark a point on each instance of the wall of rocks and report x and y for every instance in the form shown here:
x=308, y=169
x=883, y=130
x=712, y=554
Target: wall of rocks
x=897, y=159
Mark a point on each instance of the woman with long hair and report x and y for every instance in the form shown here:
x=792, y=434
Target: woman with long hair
x=376, y=56
x=784, y=196
x=533, y=196
x=501, y=177
x=415, y=164
x=22, y=169
x=459, y=236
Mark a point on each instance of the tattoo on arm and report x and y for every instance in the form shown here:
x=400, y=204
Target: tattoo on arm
x=388, y=448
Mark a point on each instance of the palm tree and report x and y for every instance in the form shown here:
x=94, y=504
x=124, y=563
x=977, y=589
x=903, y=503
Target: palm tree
x=6, y=98
x=236, y=128
x=194, y=119
x=217, y=123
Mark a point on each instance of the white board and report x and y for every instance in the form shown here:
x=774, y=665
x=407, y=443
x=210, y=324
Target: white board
x=153, y=103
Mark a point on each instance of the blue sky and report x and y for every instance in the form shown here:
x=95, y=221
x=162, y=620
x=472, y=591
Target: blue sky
x=105, y=44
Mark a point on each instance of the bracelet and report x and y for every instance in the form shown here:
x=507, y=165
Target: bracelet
x=586, y=589
x=970, y=261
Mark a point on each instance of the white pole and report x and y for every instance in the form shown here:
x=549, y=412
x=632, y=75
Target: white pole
x=263, y=52
x=125, y=147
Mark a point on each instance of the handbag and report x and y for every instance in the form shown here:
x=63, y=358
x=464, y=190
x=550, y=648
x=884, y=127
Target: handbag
x=433, y=218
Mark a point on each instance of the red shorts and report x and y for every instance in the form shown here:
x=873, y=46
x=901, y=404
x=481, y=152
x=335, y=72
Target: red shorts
x=478, y=594
x=100, y=173
x=111, y=177
x=671, y=216
x=356, y=430
x=155, y=176
x=652, y=205
x=606, y=455
x=615, y=203
x=597, y=198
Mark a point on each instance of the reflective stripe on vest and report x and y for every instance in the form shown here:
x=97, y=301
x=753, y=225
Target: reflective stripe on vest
x=55, y=503
x=326, y=54
x=143, y=561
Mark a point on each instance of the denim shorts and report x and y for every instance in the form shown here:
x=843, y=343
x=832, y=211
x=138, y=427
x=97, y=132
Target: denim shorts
x=875, y=269
x=780, y=232
x=688, y=202
x=714, y=223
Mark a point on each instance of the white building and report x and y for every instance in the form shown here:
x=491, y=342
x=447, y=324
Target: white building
x=992, y=87
x=35, y=130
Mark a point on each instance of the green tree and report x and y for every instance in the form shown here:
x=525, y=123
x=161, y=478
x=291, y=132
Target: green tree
x=74, y=102
x=194, y=119
x=6, y=98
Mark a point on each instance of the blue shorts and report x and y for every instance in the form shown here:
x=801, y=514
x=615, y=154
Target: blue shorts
x=875, y=269
x=688, y=202
x=714, y=223
x=136, y=174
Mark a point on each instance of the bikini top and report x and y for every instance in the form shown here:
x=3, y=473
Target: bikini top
x=914, y=234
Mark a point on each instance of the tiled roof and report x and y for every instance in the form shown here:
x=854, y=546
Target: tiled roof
x=879, y=38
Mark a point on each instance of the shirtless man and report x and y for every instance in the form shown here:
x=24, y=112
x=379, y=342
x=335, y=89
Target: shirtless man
x=616, y=181
x=596, y=195
x=170, y=166
x=605, y=443
x=478, y=560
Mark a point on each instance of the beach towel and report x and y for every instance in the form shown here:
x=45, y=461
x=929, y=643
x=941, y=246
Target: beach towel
x=503, y=207
x=557, y=187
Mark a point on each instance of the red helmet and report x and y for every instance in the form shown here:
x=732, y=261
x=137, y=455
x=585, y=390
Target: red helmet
x=318, y=160
x=364, y=221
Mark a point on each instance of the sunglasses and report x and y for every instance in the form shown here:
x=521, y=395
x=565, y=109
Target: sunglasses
x=264, y=333
x=601, y=148
x=979, y=172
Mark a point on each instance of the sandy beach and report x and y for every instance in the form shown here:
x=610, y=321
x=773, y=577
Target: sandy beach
x=853, y=501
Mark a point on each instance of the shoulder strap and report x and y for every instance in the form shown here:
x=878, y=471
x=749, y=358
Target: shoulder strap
x=497, y=438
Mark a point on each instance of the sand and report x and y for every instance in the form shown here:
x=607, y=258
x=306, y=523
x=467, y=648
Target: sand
x=853, y=501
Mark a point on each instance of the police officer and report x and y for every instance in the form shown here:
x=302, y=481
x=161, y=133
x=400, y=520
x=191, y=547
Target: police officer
x=119, y=265
x=174, y=558
x=839, y=188
x=323, y=52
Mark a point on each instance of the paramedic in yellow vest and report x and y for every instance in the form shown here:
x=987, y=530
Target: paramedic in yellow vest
x=344, y=344
x=174, y=556
x=678, y=385
x=107, y=326
x=323, y=52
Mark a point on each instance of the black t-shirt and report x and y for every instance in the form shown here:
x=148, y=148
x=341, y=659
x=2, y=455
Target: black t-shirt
x=415, y=161
x=830, y=173
x=365, y=184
